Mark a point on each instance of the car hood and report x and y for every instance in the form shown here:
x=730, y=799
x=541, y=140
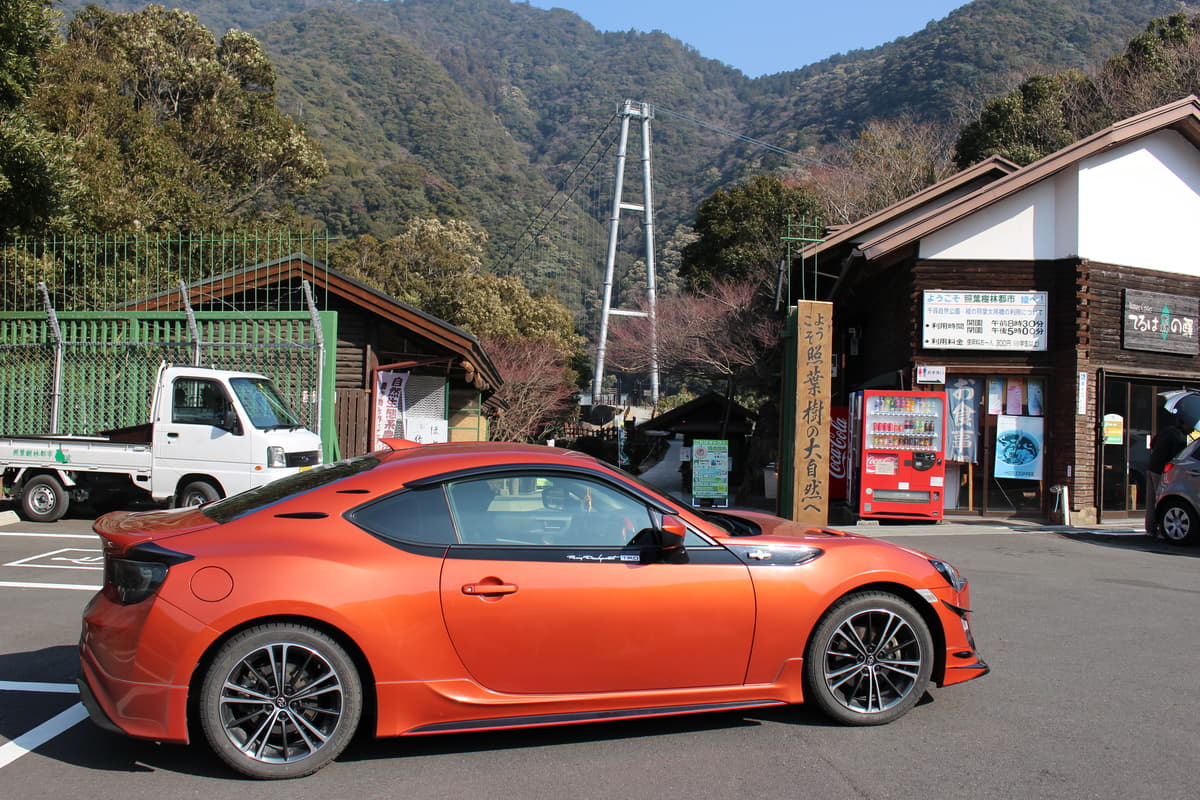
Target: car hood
x=784, y=531
x=124, y=529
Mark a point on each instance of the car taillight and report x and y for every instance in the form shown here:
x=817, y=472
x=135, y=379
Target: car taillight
x=1170, y=466
x=138, y=574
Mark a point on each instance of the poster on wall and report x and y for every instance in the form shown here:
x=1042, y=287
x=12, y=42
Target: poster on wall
x=965, y=396
x=995, y=396
x=390, y=406
x=1014, y=396
x=1019, y=443
x=710, y=472
x=1037, y=396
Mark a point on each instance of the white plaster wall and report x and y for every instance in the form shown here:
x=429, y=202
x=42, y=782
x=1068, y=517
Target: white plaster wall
x=1139, y=205
x=1019, y=228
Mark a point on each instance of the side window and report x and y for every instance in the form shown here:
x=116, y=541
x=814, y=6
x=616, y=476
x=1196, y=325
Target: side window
x=418, y=516
x=199, y=402
x=549, y=509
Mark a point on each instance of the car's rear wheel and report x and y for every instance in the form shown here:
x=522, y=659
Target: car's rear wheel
x=280, y=701
x=869, y=660
x=1179, y=522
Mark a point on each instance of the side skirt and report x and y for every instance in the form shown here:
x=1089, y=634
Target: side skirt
x=503, y=723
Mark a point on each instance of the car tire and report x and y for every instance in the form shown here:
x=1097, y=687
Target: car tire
x=1178, y=522
x=43, y=499
x=280, y=701
x=869, y=660
x=196, y=493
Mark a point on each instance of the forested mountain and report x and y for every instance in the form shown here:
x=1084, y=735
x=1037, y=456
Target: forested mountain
x=482, y=109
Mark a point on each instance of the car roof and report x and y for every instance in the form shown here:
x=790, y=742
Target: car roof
x=440, y=458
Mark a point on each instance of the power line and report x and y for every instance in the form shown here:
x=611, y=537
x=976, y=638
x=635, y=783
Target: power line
x=569, y=195
x=741, y=137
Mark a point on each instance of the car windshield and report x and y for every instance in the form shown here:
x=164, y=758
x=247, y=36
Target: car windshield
x=263, y=404
x=237, y=505
x=733, y=525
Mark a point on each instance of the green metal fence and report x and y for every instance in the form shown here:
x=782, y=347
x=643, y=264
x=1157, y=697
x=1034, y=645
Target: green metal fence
x=71, y=361
x=97, y=372
x=95, y=273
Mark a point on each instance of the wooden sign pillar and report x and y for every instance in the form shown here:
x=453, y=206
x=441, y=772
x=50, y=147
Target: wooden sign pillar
x=804, y=451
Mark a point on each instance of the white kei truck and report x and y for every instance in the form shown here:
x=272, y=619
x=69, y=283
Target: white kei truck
x=211, y=433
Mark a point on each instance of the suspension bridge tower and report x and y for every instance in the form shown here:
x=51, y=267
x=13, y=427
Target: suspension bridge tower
x=642, y=112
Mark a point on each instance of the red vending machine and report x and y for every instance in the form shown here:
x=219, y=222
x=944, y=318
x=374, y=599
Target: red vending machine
x=899, y=445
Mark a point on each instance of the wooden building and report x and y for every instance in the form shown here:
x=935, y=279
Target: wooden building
x=449, y=384
x=1058, y=298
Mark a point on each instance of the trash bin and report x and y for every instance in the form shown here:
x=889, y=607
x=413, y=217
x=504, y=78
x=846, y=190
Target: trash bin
x=770, y=481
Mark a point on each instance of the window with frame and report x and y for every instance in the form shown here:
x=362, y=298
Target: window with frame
x=199, y=402
x=416, y=516
x=551, y=509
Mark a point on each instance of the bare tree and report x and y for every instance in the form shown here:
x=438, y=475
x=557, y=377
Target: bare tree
x=537, y=390
x=888, y=161
x=722, y=332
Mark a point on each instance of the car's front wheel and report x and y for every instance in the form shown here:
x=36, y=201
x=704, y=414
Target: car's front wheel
x=280, y=701
x=1179, y=522
x=869, y=660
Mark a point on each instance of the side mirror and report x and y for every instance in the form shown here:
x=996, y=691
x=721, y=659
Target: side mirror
x=664, y=544
x=231, y=422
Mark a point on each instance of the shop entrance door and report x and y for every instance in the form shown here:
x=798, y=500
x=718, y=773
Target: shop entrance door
x=1132, y=416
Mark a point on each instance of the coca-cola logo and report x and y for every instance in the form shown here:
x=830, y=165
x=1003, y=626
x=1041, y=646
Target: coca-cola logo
x=839, y=447
x=881, y=464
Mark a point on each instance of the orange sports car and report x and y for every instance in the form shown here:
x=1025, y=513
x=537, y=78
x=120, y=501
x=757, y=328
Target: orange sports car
x=466, y=587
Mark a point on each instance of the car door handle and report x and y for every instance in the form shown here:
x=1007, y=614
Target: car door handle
x=172, y=435
x=488, y=588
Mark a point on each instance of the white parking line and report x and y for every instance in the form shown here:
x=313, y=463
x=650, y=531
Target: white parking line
x=22, y=686
x=88, y=561
x=26, y=585
x=43, y=733
x=51, y=535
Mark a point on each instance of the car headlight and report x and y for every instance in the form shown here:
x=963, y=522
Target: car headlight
x=952, y=575
x=276, y=457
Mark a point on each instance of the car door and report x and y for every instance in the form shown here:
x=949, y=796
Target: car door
x=194, y=437
x=543, y=593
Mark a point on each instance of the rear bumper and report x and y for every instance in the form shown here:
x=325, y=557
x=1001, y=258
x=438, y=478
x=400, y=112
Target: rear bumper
x=141, y=710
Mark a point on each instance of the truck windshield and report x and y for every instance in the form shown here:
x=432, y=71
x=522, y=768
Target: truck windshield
x=263, y=404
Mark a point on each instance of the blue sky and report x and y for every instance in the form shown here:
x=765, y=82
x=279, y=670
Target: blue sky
x=761, y=37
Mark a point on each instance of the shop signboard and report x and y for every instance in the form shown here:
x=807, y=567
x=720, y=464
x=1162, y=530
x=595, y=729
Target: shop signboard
x=1163, y=323
x=1019, y=445
x=710, y=472
x=968, y=320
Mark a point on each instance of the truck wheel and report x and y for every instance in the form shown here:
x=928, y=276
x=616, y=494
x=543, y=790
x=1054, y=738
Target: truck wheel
x=196, y=493
x=43, y=499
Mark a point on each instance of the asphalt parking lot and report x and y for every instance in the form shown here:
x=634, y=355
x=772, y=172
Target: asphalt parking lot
x=1091, y=634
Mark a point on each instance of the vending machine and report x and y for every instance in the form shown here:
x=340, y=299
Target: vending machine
x=899, y=448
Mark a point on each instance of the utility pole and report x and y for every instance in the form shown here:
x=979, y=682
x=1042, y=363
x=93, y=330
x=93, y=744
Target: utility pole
x=643, y=112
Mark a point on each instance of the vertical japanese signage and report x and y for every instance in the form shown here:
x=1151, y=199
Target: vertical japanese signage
x=390, y=405
x=965, y=396
x=710, y=472
x=810, y=490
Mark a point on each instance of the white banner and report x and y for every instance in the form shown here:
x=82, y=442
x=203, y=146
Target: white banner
x=390, y=406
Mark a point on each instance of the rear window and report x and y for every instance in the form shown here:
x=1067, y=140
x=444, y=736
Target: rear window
x=237, y=505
